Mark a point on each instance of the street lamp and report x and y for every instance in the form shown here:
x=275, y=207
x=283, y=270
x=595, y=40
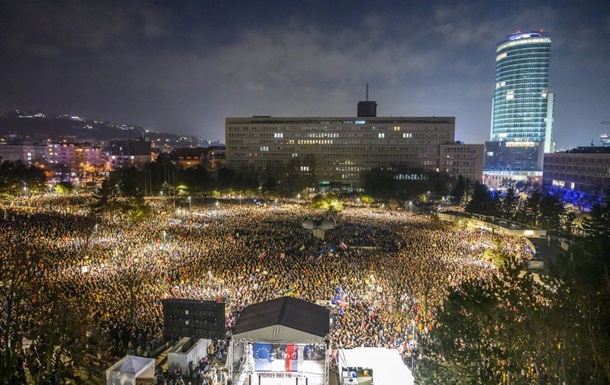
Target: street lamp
x=412, y=343
x=410, y=206
x=299, y=198
x=189, y=204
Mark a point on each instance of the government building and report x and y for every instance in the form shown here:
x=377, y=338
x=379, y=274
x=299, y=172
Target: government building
x=325, y=153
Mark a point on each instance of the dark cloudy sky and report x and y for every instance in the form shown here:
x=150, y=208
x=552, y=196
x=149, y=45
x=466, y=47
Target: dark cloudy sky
x=183, y=66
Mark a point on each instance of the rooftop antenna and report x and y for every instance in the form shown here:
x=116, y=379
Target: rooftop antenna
x=367, y=92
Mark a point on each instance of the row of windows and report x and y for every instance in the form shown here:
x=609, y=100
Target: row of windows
x=280, y=130
x=577, y=160
x=346, y=145
x=353, y=134
x=578, y=177
x=364, y=155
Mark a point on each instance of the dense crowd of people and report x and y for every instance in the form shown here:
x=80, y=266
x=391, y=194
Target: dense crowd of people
x=384, y=272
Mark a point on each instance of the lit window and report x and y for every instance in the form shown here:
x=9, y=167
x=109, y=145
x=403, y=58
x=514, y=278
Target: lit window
x=501, y=56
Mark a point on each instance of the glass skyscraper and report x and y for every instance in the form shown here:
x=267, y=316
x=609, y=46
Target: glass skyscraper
x=522, y=112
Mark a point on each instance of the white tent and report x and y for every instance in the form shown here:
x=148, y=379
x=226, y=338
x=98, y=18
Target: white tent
x=387, y=366
x=131, y=370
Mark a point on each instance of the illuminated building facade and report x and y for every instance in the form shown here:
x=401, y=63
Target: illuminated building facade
x=462, y=159
x=312, y=152
x=125, y=154
x=584, y=170
x=522, y=109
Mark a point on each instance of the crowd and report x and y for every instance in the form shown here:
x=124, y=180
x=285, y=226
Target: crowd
x=384, y=272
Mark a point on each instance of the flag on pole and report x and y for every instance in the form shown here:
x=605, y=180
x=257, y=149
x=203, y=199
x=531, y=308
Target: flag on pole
x=342, y=303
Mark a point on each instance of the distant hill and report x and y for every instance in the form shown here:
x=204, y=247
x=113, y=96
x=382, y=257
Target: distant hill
x=39, y=126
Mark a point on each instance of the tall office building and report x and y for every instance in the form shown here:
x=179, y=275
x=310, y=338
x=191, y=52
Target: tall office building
x=522, y=110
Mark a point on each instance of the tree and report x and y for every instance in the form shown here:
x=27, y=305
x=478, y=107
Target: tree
x=330, y=203
x=18, y=278
x=64, y=187
x=509, y=204
x=379, y=182
x=551, y=211
x=16, y=178
x=482, y=201
x=460, y=191
x=270, y=187
x=367, y=200
x=530, y=211
x=510, y=329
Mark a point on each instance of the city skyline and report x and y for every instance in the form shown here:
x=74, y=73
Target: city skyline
x=184, y=67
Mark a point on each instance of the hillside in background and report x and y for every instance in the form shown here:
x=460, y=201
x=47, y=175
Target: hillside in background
x=40, y=127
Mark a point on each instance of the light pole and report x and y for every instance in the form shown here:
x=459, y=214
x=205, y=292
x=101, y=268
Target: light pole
x=410, y=206
x=189, y=204
x=413, y=344
x=299, y=198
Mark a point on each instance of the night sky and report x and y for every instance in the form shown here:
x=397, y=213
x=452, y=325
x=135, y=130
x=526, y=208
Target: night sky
x=183, y=66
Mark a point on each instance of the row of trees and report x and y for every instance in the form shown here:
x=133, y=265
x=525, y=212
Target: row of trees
x=16, y=178
x=516, y=330
x=538, y=208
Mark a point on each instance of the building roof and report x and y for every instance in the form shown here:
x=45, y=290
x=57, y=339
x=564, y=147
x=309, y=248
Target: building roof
x=283, y=320
x=186, y=152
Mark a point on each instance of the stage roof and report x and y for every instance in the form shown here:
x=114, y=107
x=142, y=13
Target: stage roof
x=282, y=320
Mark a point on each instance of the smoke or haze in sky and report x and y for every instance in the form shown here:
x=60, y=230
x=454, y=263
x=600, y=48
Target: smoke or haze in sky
x=183, y=66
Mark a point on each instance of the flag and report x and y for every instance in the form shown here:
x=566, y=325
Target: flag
x=343, y=246
x=288, y=293
x=292, y=357
x=262, y=255
x=342, y=303
x=302, y=247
